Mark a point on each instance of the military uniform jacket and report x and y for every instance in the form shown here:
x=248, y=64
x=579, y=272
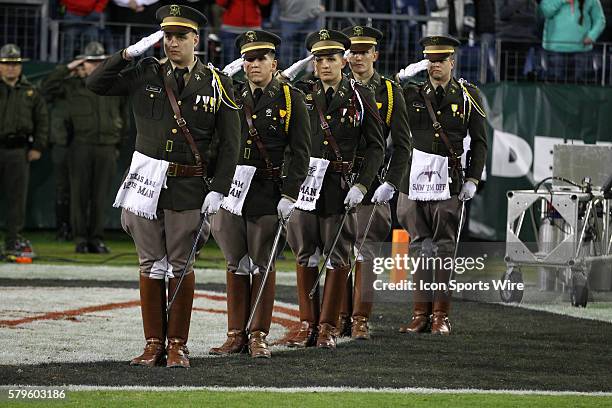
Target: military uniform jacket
x=458, y=116
x=158, y=135
x=23, y=115
x=280, y=124
x=342, y=117
x=392, y=109
x=87, y=117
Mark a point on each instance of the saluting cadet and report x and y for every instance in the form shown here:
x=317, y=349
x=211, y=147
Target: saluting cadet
x=441, y=112
x=342, y=113
x=357, y=304
x=275, y=125
x=23, y=136
x=95, y=126
x=179, y=107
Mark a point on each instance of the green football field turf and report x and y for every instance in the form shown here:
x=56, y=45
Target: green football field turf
x=313, y=399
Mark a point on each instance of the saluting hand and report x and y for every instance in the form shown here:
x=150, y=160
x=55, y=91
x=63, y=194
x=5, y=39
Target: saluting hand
x=141, y=46
x=75, y=63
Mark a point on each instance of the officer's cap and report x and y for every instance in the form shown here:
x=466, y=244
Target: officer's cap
x=257, y=43
x=94, y=51
x=11, y=53
x=363, y=38
x=326, y=42
x=180, y=19
x=438, y=47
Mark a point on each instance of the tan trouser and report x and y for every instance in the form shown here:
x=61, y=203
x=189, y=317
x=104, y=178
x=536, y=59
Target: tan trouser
x=164, y=244
x=246, y=242
x=308, y=233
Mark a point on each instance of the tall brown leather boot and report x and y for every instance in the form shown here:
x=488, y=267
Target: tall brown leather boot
x=343, y=325
x=309, y=308
x=179, y=320
x=441, y=306
x=238, y=307
x=335, y=283
x=421, y=305
x=362, y=304
x=262, y=319
x=153, y=309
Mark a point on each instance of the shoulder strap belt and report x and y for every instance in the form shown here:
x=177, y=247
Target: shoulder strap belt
x=438, y=128
x=255, y=135
x=326, y=130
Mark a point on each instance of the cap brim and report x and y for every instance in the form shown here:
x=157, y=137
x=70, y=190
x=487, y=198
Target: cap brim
x=361, y=47
x=437, y=57
x=92, y=57
x=13, y=60
x=331, y=51
x=260, y=53
x=176, y=29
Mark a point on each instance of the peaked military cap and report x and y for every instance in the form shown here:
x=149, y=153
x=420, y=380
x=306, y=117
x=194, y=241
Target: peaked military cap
x=326, y=42
x=180, y=19
x=94, y=51
x=11, y=53
x=257, y=43
x=362, y=37
x=438, y=47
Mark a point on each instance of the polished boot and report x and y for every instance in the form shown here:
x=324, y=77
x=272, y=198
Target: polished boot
x=262, y=318
x=441, y=305
x=362, y=303
x=153, y=309
x=343, y=325
x=421, y=305
x=238, y=307
x=335, y=283
x=306, y=335
x=179, y=320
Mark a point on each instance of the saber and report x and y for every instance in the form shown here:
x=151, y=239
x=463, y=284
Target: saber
x=331, y=250
x=365, y=234
x=281, y=225
x=191, y=255
x=461, y=220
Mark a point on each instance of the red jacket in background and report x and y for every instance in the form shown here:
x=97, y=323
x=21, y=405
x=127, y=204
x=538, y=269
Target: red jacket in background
x=242, y=13
x=84, y=7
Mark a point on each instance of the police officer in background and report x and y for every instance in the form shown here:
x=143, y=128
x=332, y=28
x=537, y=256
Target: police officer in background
x=357, y=304
x=23, y=136
x=95, y=126
x=441, y=112
x=342, y=113
x=275, y=125
x=179, y=108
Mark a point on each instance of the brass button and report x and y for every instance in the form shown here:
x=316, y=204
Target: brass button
x=179, y=103
x=254, y=116
x=439, y=113
x=174, y=131
x=437, y=135
x=174, y=116
x=151, y=96
x=328, y=117
x=249, y=142
x=325, y=142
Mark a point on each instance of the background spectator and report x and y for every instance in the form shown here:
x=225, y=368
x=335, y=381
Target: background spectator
x=297, y=19
x=83, y=18
x=460, y=14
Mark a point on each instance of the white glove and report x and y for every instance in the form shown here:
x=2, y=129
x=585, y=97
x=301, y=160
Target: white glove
x=347, y=53
x=144, y=44
x=353, y=197
x=467, y=191
x=212, y=202
x=284, y=208
x=383, y=194
x=297, y=67
x=412, y=69
x=233, y=67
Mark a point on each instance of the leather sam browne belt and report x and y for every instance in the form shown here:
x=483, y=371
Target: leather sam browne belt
x=273, y=173
x=338, y=166
x=186, y=170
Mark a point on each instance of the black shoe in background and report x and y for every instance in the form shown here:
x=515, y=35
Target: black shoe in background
x=81, y=248
x=97, y=247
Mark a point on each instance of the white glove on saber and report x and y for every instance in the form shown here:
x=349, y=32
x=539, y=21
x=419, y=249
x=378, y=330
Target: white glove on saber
x=144, y=44
x=212, y=203
x=297, y=67
x=284, y=208
x=383, y=194
x=233, y=67
x=412, y=69
x=354, y=197
x=468, y=189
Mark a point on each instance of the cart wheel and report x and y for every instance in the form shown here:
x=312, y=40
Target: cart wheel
x=579, y=296
x=512, y=295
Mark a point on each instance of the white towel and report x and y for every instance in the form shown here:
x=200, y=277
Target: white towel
x=428, y=177
x=311, y=187
x=239, y=189
x=140, y=190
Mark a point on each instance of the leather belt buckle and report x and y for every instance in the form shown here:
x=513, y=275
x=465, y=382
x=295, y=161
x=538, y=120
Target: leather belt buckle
x=324, y=125
x=437, y=125
x=181, y=122
x=253, y=132
x=172, y=170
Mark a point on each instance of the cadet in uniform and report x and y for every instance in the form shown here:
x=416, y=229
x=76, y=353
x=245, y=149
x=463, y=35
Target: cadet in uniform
x=164, y=243
x=357, y=304
x=95, y=126
x=23, y=136
x=432, y=219
x=342, y=113
x=274, y=123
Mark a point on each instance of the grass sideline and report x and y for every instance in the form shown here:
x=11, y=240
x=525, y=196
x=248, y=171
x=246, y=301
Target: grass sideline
x=313, y=399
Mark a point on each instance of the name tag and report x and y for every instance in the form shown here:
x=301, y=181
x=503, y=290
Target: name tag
x=153, y=88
